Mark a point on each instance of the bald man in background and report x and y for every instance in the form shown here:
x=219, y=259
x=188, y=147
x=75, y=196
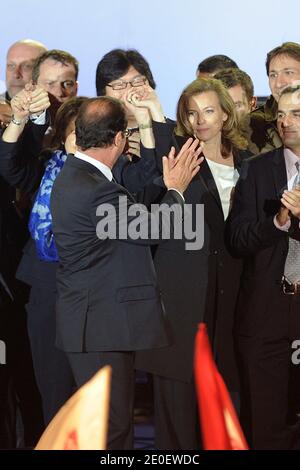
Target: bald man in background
x=19, y=63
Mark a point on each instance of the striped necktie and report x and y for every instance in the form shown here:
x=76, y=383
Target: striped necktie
x=292, y=262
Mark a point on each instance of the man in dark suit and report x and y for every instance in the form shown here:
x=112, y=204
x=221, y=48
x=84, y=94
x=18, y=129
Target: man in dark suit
x=108, y=302
x=263, y=227
x=19, y=145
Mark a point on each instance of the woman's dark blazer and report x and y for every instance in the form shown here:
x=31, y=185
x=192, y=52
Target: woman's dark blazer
x=198, y=285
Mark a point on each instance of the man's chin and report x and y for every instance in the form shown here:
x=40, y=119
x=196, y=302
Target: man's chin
x=290, y=143
x=14, y=90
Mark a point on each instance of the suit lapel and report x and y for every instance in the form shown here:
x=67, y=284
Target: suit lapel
x=204, y=176
x=207, y=179
x=279, y=172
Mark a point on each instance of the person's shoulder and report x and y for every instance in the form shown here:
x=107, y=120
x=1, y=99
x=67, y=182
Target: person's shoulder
x=74, y=175
x=258, y=113
x=265, y=158
x=264, y=113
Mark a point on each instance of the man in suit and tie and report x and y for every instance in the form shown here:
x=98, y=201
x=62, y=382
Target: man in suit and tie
x=108, y=302
x=263, y=227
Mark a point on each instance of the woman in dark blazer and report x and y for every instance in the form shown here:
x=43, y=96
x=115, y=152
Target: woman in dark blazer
x=197, y=285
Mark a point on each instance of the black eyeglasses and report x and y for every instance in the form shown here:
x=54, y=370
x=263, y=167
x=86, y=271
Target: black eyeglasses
x=121, y=85
x=131, y=130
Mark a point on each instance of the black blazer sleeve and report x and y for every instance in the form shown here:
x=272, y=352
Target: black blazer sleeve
x=247, y=230
x=164, y=139
x=19, y=164
x=135, y=175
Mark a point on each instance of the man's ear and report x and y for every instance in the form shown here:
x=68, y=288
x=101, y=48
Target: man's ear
x=119, y=139
x=253, y=103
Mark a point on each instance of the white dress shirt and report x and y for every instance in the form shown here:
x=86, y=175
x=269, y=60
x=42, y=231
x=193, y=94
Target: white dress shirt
x=225, y=178
x=290, y=159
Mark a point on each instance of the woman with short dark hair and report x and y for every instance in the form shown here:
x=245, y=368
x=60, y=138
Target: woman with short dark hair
x=126, y=75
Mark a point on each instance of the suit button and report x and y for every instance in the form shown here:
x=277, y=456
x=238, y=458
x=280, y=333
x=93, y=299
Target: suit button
x=221, y=291
x=221, y=264
x=216, y=252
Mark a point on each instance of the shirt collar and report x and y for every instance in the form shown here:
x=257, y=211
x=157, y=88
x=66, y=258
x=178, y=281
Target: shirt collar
x=103, y=168
x=290, y=159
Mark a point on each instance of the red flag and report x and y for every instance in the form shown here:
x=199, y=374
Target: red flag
x=220, y=426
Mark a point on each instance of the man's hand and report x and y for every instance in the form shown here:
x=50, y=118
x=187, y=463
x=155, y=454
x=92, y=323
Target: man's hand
x=283, y=216
x=132, y=103
x=147, y=98
x=291, y=201
x=32, y=99
x=178, y=172
x=133, y=145
x=20, y=104
x=39, y=100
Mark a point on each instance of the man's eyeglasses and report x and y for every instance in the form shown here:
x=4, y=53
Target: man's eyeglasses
x=121, y=85
x=131, y=130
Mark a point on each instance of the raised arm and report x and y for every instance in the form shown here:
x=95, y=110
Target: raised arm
x=21, y=141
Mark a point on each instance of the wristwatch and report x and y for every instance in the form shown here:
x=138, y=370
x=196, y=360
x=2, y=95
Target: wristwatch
x=16, y=121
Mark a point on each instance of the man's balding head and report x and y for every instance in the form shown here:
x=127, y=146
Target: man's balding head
x=99, y=121
x=19, y=63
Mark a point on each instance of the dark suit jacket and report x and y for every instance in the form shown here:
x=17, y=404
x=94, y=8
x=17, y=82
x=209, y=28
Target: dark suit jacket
x=135, y=175
x=108, y=297
x=20, y=168
x=132, y=175
x=251, y=233
x=19, y=164
x=196, y=286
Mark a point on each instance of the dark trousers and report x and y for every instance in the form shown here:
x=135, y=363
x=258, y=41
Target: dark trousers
x=85, y=365
x=268, y=376
x=17, y=382
x=51, y=366
x=176, y=415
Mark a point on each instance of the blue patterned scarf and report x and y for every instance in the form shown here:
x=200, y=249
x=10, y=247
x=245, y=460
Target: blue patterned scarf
x=40, y=221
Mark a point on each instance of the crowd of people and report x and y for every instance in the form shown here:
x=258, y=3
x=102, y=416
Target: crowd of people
x=73, y=299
